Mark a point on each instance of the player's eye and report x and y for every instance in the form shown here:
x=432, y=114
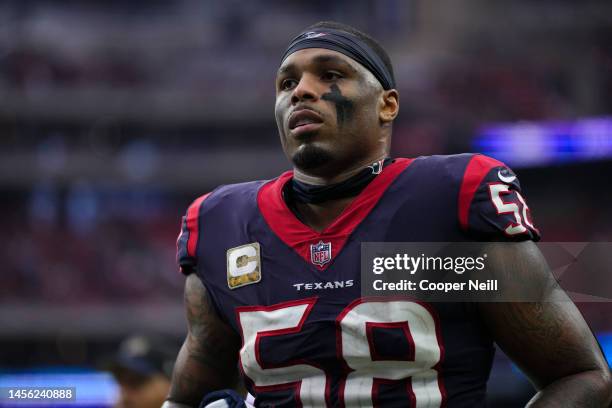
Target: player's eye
x=287, y=84
x=331, y=76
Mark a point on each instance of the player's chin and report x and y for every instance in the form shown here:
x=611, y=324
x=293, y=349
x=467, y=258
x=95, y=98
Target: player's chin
x=311, y=156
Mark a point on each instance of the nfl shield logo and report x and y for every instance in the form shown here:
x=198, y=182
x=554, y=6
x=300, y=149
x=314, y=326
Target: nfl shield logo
x=320, y=253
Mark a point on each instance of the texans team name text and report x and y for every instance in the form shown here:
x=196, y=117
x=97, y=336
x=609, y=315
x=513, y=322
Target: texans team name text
x=323, y=285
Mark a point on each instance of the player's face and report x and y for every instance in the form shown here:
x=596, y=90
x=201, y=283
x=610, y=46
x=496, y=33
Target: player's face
x=327, y=111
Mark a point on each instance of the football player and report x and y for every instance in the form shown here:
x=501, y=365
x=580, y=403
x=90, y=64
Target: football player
x=273, y=291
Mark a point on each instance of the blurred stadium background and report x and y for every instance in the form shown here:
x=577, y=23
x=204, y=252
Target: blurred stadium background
x=115, y=115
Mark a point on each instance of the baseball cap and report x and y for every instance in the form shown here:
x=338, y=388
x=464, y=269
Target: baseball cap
x=140, y=357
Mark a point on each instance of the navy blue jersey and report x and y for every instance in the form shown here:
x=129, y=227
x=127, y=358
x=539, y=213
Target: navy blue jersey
x=294, y=294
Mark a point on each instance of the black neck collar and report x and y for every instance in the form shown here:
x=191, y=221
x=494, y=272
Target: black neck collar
x=296, y=191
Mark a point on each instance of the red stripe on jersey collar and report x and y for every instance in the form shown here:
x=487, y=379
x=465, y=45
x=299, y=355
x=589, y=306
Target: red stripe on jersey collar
x=300, y=236
x=476, y=170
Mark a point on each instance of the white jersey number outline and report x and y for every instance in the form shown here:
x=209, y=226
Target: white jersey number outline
x=353, y=346
x=496, y=190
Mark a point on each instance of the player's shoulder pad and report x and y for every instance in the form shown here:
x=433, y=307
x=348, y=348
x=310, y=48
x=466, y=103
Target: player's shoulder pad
x=233, y=194
x=446, y=168
x=201, y=207
x=490, y=202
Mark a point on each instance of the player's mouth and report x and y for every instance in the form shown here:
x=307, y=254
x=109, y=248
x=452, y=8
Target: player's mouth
x=303, y=121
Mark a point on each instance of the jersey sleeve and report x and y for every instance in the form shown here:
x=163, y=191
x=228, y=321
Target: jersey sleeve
x=491, y=205
x=187, y=241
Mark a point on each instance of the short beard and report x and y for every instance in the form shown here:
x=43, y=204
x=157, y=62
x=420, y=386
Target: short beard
x=311, y=157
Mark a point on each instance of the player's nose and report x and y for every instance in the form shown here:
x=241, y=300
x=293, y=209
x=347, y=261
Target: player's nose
x=306, y=89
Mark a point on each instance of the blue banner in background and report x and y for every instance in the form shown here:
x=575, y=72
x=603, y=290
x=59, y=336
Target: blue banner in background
x=524, y=144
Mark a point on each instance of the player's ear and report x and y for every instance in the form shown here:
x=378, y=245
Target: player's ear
x=389, y=106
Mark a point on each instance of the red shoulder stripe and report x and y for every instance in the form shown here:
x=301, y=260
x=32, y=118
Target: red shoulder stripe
x=476, y=170
x=193, y=220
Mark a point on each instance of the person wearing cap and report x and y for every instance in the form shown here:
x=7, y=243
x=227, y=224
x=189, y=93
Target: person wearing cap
x=142, y=368
x=273, y=289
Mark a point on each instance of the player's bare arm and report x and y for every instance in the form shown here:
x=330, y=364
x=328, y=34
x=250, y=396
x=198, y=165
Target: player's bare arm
x=207, y=360
x=549, y=339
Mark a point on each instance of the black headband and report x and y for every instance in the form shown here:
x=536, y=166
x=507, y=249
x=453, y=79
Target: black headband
x=347, y=44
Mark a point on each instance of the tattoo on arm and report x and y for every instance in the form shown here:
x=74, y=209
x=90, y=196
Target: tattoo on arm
x=548, y=338
x=207, y=360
